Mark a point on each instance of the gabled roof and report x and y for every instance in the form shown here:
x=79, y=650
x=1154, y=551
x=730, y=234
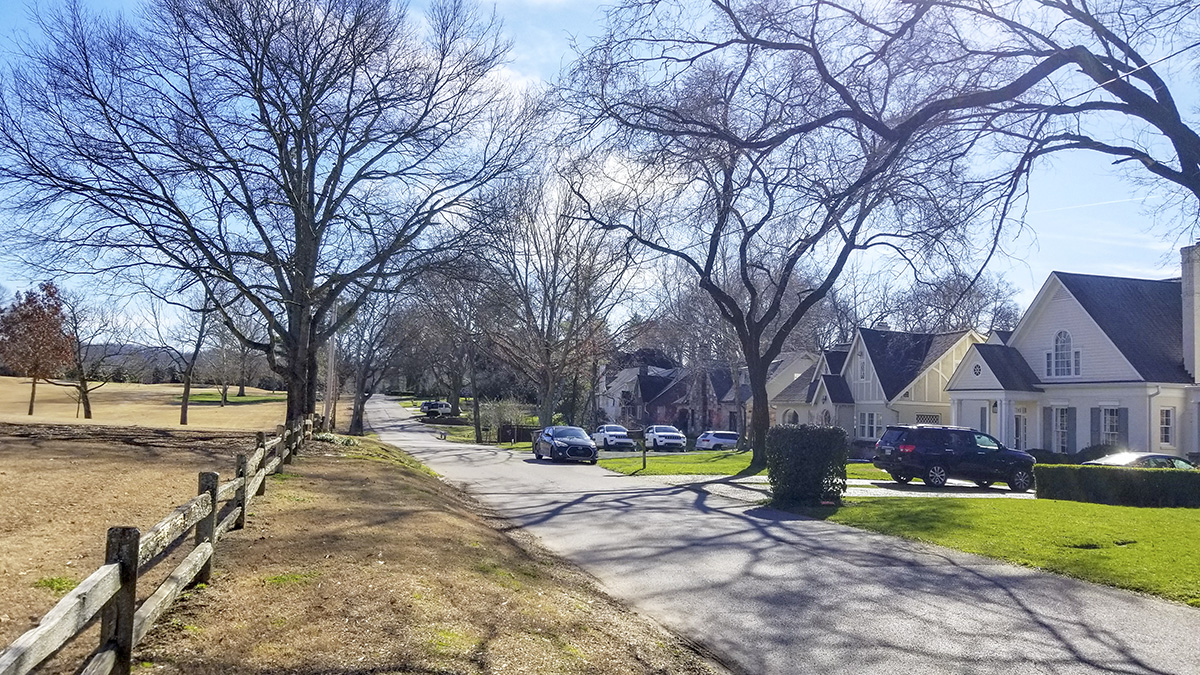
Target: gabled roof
x=652, y=385
x=900, y=357
x=798, y=389
x=1001, y=335
x=674, y=392
x=1009, y=367
x=836, y=358
x=839, y=391
x=1142, y=318
x=721, y=381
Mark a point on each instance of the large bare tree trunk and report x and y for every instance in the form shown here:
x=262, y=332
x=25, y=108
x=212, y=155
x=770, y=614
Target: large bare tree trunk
x=360, y=400
x=475, y=396
x=32, y=392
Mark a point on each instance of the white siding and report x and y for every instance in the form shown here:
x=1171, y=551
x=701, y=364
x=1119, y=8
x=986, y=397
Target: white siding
x=863, y=391
x=1100, y=360
x=965, y=378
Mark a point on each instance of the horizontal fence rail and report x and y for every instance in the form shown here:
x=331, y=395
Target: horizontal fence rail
x=110, y=593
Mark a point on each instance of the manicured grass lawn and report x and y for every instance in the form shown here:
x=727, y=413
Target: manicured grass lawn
x=723, y=463
x=214, y=398
x=466, y=434
x=1148, y=550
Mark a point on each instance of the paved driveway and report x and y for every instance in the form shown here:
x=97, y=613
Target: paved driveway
x=770, y=592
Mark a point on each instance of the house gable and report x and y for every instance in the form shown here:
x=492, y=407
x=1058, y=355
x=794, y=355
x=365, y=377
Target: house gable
x=1056, y=311
x=859, y=373
x=930, y=385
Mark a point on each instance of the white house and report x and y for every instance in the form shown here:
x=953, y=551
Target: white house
x=1095, y=359
x=883, y=377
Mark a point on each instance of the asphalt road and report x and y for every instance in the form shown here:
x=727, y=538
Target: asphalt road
x=770, y=592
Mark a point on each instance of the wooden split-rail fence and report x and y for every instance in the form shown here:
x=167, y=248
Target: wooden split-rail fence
x=111, y=591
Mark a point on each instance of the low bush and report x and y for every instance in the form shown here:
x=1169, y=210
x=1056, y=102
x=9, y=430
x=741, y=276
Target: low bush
x=806, y=464
x=1119, y=486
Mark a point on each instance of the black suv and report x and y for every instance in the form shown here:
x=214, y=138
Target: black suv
x=934, y=454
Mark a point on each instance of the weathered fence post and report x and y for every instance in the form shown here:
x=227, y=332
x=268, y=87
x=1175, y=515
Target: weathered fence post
x=240, y=496
x=285, y=446
x=262, y=461
x=308, y=426
x=116, y=623
x=206, y=529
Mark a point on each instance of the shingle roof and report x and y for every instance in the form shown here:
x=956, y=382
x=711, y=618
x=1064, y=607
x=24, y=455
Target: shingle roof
x=1143, y=318
x=900, y=357
x=839, y=391
x=797, y=390
x=721, y=381
x=674, y=392
x=1009, y=367
x=836, y=358
x=651, y=386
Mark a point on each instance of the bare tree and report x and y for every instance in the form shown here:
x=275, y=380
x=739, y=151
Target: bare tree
x=766, y=144
x=180, y=340
x=33, y=341
x=100, y=338
x=957, y=301
x=372, y=343
x=292, y=156
x=1125, y=62
x=556, y=281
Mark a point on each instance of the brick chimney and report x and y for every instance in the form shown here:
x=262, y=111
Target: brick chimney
x=1190, y=269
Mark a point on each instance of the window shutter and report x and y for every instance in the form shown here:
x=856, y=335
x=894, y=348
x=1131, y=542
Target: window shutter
x=1048, y=429
x=1072, y=446
x=1123, y=426
x=1095, y=426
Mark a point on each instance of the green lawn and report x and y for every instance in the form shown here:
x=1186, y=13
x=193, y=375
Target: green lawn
x=1148, y=550
x=214, y=397
x=722, y=463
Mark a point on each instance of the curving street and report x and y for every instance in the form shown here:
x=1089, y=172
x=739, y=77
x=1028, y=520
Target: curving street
x=770, y=592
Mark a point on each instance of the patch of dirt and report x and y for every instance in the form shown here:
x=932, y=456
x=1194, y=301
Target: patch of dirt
x=62, y=487
x=358, y=561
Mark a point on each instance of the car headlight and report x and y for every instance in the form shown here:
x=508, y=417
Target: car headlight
x=561, y=444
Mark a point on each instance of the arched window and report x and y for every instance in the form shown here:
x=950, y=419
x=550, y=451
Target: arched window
x=826, y=418
x=1065, y=361
x=791, y=417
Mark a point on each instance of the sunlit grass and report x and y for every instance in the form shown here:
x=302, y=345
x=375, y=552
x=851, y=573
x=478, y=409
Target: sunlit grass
x=1148, y=550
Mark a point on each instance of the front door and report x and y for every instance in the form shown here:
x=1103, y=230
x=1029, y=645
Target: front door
x=1020, y=431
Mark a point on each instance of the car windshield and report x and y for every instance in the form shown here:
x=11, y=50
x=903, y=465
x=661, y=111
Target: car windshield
x=616, y=429
x=667, y=430
x=569, y=432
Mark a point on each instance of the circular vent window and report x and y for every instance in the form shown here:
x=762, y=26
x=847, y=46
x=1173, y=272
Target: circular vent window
x=977, y=370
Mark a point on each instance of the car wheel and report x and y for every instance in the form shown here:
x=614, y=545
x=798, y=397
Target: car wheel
x=537, y=452
x=654, y=444
x=984, y=483
x=935, y=476
x=591, y=461
x=606, y=444
x=1020, y=481
x=901, y=478
x=715, y=448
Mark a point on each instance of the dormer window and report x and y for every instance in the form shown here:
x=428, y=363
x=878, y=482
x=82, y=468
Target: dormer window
x=1063, y=361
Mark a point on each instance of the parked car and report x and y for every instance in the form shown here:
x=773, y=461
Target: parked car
x=717, y=440
x=1143, y=460
x=662, y=436
x=560, y=443
x=435, y=408
x=613, y=437
x=936, y=453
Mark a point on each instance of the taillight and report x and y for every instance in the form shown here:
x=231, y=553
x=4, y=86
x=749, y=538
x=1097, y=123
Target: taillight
x=907, y=448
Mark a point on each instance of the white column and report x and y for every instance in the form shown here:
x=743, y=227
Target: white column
x=1005, y=424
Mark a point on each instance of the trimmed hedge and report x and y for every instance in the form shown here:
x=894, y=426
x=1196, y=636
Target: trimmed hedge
x=806, y=464
x=1119, y=486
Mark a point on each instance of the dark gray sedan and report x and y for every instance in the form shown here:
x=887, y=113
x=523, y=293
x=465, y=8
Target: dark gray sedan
x=565, y=443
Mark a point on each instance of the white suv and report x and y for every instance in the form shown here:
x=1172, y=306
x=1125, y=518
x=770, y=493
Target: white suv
x=663, y=436
x=435, y=408
x=717, y=440
x=613, y=437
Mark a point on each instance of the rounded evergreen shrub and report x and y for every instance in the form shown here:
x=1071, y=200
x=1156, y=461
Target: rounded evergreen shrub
x=806, y=464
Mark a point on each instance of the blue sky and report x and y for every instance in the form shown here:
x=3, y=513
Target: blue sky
x=1081, y=216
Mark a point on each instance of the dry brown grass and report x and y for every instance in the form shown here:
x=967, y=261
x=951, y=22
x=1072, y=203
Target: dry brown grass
x=356, y=561
x=124, y=404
